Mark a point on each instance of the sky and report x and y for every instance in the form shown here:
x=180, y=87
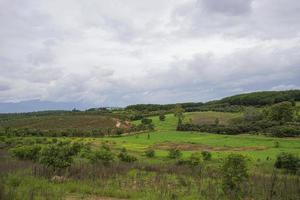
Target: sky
x=93, y=53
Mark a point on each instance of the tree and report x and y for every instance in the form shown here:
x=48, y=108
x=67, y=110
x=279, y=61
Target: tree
x=178, y=111
x=235, y=173
x=282, y=112
x=148, y=123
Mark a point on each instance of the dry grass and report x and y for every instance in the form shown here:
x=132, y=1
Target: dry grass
x=62, y=122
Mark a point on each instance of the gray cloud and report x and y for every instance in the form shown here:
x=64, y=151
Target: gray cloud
x=118, y=53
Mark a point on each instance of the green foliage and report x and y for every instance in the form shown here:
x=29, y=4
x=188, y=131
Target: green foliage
x=178, y=111
x=287, y=161
x=174, y=153
x=262, y=98
x=162, y=117
x=150, y=153
x=283, y=112
x=252, y=114
x=104, y=154
x=195, y=159
x=57, y=156
x=206, y=155
x=125, y=157
x=26, y=152
x=235, y=173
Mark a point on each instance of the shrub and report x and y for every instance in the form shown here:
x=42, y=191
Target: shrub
x=146, y=121
x=284, y=131
x=104, y=154
x=162, y=117
x=57, y=156
x=287, y=161
x=195, y=159
x=174, y=153
x=26, y=152
x=235, y=173
x=150, y=153
x=206, y=155
x=125, y=157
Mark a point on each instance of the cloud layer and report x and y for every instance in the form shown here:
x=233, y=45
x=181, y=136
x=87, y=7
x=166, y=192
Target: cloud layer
x=103, y=53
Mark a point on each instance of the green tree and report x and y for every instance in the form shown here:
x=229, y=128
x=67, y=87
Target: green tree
x=235, y=174
x=282, y=112
x=178, y=111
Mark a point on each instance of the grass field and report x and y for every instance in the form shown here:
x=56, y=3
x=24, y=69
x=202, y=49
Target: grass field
x=259, y=149
x=210, y=117
x=154, y=178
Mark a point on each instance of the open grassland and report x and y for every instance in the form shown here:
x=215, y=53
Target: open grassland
x=61, y=122
x=259, y=149
x=211, y=117
x=159, y=177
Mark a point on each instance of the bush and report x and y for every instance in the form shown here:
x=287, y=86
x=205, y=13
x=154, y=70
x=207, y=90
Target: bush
x=162, y=117
x=195, y=159
x=125, y=157
x=287, y=161
x=26, y=152
x=150, y=153
x=146, y=121
x=235, y=173
x=174, y=153
x=57, y=156
x=104, y=154
x=206, y=155
x=284, y=131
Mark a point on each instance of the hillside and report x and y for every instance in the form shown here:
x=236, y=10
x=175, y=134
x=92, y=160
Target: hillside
x=262, y=98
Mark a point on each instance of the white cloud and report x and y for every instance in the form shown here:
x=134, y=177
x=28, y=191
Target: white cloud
x=122, y=52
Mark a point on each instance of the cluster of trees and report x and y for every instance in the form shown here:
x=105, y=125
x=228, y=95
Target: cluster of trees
x=263, y=98
x=280, y=120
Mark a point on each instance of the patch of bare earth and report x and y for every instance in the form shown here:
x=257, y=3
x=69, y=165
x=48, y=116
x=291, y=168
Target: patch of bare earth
x=200, y=147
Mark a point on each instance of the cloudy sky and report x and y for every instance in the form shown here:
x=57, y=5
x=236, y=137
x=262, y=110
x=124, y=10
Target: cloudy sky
x=119, y=52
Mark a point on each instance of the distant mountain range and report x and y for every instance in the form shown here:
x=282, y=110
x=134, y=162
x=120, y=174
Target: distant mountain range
x=37, y=105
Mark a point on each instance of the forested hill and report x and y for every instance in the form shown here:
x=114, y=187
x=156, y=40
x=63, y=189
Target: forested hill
x=262, y=98
x=230, y=103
